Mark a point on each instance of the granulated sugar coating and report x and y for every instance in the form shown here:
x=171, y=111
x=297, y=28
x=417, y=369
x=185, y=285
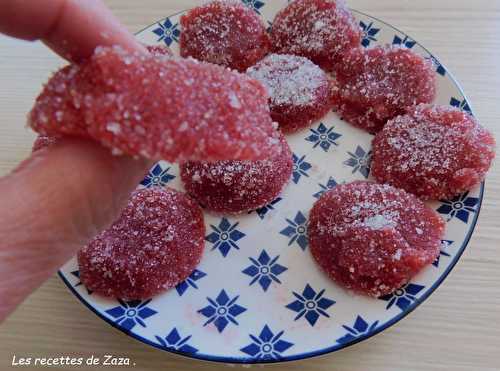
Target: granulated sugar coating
x=155, y=244
x=159, y=50
x=238, y=186
x=377, y=84
x=435, y=152
x=321, y=30
x=300, y=91
x=373, y=238
x=224, y=32
x=159, y=108
x=43, y=141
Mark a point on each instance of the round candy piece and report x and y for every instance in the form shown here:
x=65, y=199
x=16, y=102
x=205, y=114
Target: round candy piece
x=43, y=141
x=155, y=244
x=158, y=107
x=435, y=152
x=373, y=238
x=300, y=91
x=321, y=30
x=380, y=83
x=224, y=32
x=238, y=186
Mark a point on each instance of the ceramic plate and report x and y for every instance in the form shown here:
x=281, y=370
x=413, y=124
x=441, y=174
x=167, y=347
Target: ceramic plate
x=258, y=296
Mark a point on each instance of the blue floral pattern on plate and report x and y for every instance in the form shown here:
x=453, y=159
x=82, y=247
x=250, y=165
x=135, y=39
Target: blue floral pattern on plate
x=403, y=297
x=323, y=137
x=168, y=32
x=191, y=281
x=222, y=311
x=369, y=33
x=131, y=313
x=254, y=4
x=300, y=168
x=175, y=342
x=405, y=41
x=158, y=177
x=360, y=161
x=462, y=104
x=240, y=310
x=225, y=237
x=264, y=270
x=360, y=328
x=267, y=346
x=264, y=210
x=297, y=231
x=311, y=305
x=331, y=184
x=444, y=246
x=460, y=207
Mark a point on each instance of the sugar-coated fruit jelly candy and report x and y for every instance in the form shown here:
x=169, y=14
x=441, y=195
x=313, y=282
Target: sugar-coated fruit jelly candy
x=224, y=32
x=434, y=152
x=300, y=91
x=158, y=107
x=321, y=30
x=373, y=238
x=43, y=141
x=238, y=186
x=374, y=85
x=154, y=245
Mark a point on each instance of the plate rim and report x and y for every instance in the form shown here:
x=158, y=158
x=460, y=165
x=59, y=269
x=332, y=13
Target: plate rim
x=336, y=347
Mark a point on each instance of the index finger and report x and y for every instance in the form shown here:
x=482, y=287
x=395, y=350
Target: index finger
x=72, y=28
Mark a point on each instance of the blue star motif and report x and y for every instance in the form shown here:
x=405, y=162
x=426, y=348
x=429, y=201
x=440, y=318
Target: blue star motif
x=297, y=231
x=444, y=245
x=300, y=168
x=439, y=67
x=459, y=207
x=264, y=270
x=130, y=313
x=225, y=236
x=325, y=188
x=79, y=283
x=360, y=328
x=267, y=346
x=254, y=4
x=182, y=287
x=310, y=305
x=157, y=177
x=323, y=137
x=409, y=43
x=262, y=212
x=168, y=32
x=360, y=161
x=403, y=297
x=175, y=342
x=462, y=104
x=221, y=311
x=369, y=33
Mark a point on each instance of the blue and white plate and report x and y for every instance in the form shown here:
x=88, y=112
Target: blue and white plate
x=257, y=295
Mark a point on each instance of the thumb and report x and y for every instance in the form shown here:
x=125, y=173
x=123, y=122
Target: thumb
x=52, y=205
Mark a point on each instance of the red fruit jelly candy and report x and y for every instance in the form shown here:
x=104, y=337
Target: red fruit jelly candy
x=321, y=30
x=238, y=186
x=300, y=91
x=158, y=107
x=155, y=244
x=377, y=84
x=224, y=32
x=434, y=152
x=373, y=238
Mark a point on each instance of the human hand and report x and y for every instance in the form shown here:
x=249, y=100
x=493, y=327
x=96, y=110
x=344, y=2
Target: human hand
x=62, y=196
